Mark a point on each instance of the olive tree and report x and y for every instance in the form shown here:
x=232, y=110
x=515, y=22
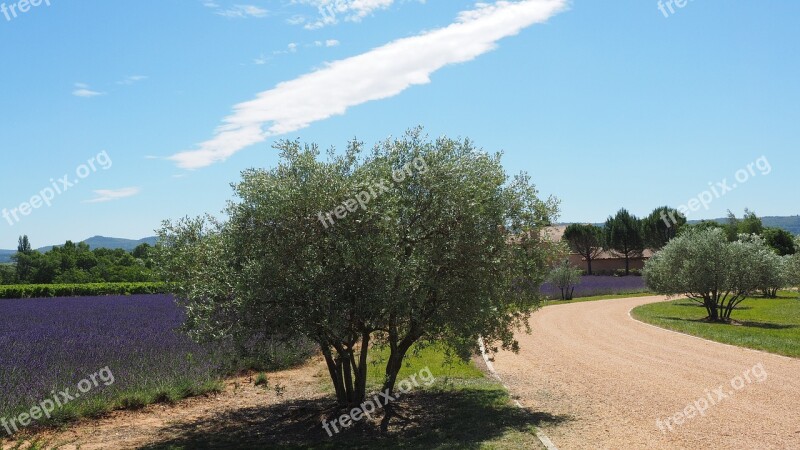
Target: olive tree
x=707, y=268
x=773, y=269
x=776, y=276
x=413, y=242
x=565, y=278
x=793, y=266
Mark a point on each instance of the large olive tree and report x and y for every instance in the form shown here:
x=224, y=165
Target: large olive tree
x=704, y=266
x=415, y=241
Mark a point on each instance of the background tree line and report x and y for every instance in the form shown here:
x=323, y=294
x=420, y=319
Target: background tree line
x=627, y=236
x=77, y=263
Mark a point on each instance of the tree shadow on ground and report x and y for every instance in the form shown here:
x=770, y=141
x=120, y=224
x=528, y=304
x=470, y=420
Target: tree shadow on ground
x=700, y=306
x=765, y=325
x=460, y=419
x=735, y=323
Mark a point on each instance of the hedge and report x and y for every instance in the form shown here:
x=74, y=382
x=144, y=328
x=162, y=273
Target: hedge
x=79, y=290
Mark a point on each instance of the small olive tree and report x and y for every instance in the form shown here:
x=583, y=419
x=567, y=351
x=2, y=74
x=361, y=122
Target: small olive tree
x=565, y=278
x=777, y=276
x=793, y=267
x=417, y=241
x=705, y=266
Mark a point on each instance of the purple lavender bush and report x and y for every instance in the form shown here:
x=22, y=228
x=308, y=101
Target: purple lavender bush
x=599, y=285
x=52, y=344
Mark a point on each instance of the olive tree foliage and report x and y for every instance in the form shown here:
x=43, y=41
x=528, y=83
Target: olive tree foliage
x=774, y=269
x=565, y=278
x=707, y=268
x=777, y=274
x=432, y=256
x=793, y=266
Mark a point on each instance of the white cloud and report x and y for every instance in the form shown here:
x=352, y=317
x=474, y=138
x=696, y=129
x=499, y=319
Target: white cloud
x=239, y=11
x=330, y=11
x=377, y=74
x=107, y=195
x=327, y=43
x=83, y=90
x=296, y=20
x=132, y=79
x=290, y=48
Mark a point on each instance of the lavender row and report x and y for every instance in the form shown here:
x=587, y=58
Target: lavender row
x=599, y=285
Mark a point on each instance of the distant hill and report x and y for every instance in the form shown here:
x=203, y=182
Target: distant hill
x=112, y=243
x=788, y=223
x=5, y=255
x=94, y=242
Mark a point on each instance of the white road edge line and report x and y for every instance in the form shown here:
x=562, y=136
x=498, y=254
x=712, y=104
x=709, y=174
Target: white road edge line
x=539, y=434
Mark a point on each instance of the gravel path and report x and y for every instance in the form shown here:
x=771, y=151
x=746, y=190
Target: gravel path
x=608, y=378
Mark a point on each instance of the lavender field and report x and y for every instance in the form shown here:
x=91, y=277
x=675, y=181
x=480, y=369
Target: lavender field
x=600, y=285
x=52, y=344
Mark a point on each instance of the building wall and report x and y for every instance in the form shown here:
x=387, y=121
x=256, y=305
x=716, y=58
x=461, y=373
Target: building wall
x=607, y=264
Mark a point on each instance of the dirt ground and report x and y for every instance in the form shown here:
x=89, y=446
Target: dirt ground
x=245, y=417
x=610, y=378
x=164, y=423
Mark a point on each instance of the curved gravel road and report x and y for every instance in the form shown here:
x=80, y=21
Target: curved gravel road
x=612, y=382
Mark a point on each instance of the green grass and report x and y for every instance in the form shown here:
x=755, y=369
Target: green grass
x=442, y=366
x=595, y=298
x=771, y=325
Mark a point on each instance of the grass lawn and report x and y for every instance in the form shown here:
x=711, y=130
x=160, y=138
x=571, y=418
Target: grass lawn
x=772, y=325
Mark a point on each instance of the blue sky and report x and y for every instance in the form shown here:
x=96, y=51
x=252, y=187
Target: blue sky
x=160, y=105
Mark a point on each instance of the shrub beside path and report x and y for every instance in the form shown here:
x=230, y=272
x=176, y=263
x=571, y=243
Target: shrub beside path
x=614, y=377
